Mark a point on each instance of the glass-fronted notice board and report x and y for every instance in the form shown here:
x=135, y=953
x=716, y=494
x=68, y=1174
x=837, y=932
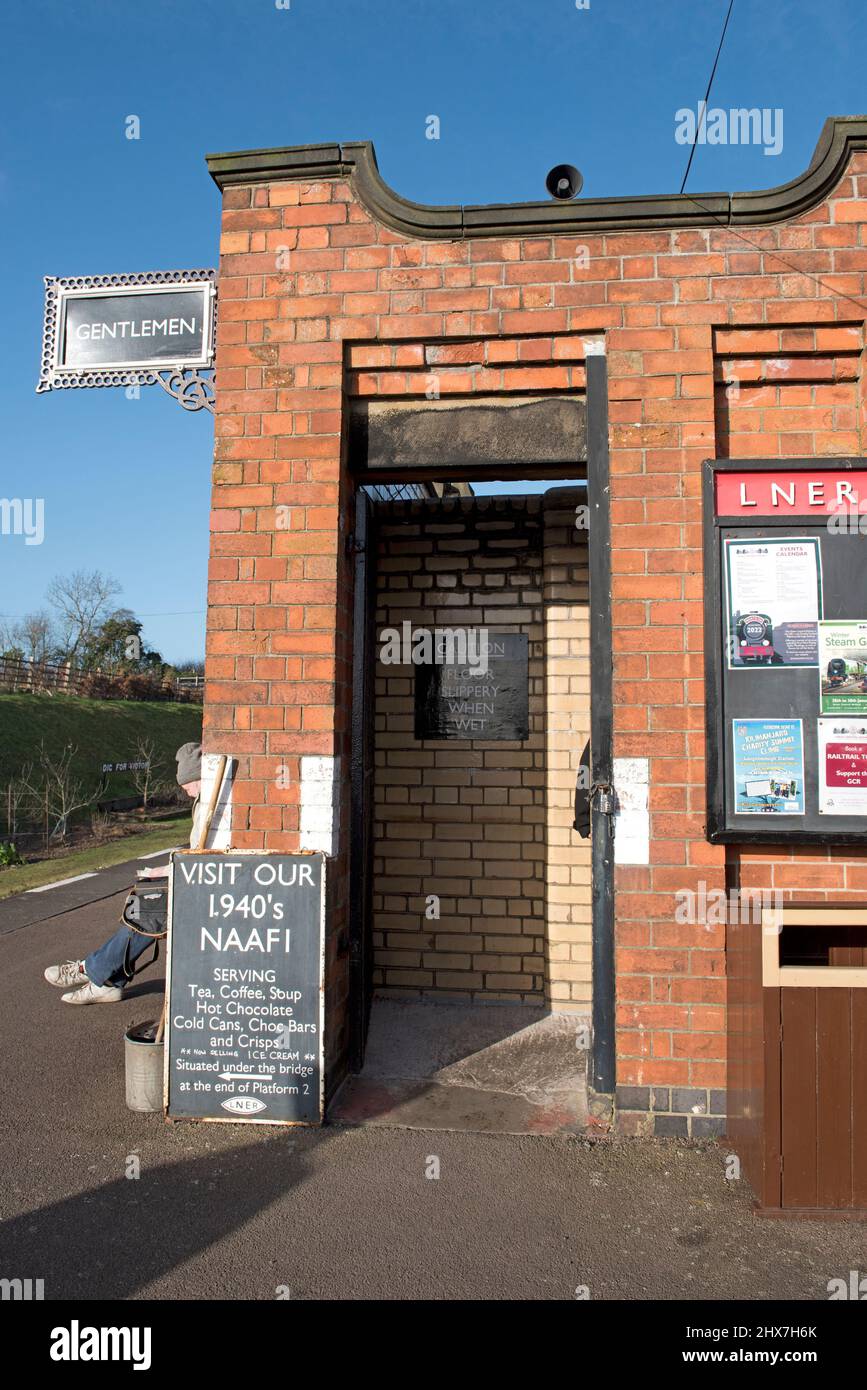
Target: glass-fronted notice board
x=785, y=618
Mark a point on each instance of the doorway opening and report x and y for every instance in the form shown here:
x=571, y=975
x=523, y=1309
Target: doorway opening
x=475, y=904
x=480, y=906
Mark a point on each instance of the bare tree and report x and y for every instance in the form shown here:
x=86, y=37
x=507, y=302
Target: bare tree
x=145, y=769
x=7, y=634
x=58, y=791
x=82, y=601
x=16, y=794
x=34, y=634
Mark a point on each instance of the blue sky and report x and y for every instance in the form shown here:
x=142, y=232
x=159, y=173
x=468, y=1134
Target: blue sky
x=518, y=85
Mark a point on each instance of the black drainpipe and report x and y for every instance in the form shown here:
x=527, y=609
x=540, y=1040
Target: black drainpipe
x=603, y=1061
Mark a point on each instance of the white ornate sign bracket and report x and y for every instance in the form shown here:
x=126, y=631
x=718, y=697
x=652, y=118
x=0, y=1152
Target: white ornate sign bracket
x=190, y=379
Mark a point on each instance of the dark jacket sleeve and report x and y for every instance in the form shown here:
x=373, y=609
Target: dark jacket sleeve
x=582, y=794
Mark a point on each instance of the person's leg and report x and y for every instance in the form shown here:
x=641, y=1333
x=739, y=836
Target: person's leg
x=105, y=966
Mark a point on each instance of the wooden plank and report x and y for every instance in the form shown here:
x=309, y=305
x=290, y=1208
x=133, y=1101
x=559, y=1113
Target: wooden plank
x=798, y=1097
x=742, y=1103
x=770, y=1118
x=820, y=977
x=823, y=915
x=852, y=950
x=833, y=1098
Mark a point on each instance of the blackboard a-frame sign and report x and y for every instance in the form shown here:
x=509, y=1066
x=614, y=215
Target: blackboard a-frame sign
x=785, y=577
x=244, y=995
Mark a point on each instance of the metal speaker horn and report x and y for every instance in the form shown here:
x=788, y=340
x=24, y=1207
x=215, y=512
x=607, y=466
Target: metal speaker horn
x=564, y=181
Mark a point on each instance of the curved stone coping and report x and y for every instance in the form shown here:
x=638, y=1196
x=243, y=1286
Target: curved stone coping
x=356, y=161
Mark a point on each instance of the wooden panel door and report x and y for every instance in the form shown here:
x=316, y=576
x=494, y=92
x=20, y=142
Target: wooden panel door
x=823, y=1089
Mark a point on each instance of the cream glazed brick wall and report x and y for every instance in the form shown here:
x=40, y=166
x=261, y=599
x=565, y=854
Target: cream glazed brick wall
x=462, y=820
x=567, y=728
x=487, y=826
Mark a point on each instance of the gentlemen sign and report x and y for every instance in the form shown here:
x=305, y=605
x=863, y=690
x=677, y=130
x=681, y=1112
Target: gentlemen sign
x=460, y=701
x=135, y=330
x=244, y=987
x=123, y=330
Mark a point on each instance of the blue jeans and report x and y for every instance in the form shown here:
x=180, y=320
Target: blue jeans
x=108, y=965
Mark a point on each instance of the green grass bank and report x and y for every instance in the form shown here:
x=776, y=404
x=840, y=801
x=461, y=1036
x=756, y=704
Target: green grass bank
x=102, y=732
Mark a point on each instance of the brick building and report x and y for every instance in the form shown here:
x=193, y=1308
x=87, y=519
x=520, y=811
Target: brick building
x=365, y=339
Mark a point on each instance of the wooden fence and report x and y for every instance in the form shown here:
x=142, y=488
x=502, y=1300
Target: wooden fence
x=17, y=674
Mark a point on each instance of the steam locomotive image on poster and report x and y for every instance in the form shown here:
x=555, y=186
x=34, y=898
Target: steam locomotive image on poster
x=837, y=672
x=754, y=639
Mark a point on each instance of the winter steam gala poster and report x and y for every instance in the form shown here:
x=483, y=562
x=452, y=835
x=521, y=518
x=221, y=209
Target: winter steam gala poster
x=773, y=601
x=768, y=766
x=843, y=668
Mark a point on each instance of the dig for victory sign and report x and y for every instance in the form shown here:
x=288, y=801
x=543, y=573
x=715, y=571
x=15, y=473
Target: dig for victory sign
x=244, y=987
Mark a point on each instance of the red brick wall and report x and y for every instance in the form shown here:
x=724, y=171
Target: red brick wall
x=317, y=301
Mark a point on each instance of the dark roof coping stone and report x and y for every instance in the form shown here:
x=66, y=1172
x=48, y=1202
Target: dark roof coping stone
x=356, y=161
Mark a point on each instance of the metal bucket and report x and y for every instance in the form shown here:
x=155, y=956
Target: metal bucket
x=144, y=1068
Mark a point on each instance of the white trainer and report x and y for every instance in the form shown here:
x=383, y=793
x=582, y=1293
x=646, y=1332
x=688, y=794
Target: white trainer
x=90, y=993
x=71, y=973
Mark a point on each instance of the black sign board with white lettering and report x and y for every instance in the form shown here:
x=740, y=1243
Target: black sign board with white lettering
x=465, y=701
x=134, y=329
x=244, y=987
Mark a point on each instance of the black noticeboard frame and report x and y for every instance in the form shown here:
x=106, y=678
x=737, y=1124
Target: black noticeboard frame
x=250, y=1119
x=723, y=825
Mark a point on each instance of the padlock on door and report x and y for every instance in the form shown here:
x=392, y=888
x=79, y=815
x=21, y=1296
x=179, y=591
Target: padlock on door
x=605, y=798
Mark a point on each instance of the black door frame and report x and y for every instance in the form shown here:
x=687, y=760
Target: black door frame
x=361, y=782
x=603, y=1057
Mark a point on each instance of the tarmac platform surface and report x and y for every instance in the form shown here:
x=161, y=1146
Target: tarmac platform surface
x=220, y=1211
